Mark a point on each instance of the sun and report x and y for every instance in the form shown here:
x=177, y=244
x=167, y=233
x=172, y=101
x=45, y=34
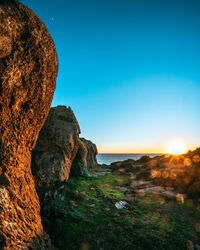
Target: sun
x=176, y=148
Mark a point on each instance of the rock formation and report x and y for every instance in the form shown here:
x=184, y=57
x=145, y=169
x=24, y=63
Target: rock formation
x=85, y=159
x=55, y=151
x=28, y=70
x=172, y=175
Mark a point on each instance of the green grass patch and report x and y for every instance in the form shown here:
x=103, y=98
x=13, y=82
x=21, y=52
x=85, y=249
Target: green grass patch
x=88, y=219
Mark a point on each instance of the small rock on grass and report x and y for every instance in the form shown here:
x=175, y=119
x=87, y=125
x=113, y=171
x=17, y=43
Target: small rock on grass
x=82, y=193
x=107, y=209
x=121, y=204
x=76, y=192
x=73, y=204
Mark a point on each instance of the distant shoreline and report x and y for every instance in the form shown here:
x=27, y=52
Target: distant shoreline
x=133, y=154
x=108, y=158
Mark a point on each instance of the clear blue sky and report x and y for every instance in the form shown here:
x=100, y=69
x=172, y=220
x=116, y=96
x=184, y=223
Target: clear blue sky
x=130, y=69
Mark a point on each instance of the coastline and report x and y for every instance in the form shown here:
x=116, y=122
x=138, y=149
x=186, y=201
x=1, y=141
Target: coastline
x=108, y=158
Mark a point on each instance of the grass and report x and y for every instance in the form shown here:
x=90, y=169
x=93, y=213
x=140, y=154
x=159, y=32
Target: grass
x=88, y=219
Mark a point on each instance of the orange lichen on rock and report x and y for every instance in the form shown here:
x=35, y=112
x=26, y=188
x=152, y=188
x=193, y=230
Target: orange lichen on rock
x=28, y=71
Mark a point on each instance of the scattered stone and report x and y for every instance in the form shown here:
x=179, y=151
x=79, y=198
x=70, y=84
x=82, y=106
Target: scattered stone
x=121, y=204
x=62, y=198
x=151, y=190
x=82, y=193
x=132, y=176
x=169, y=195
x=73, y=203
x=76, y=192
x=140, y=184
x=122, y=189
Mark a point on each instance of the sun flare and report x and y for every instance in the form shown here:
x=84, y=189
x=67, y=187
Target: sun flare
x=176, y=148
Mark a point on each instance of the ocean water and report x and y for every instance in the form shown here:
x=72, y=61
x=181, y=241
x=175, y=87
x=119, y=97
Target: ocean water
x=109, y=158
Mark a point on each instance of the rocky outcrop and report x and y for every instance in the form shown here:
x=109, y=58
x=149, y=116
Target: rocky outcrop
x=175, y=176
x=85, y=159
x=28, y=70
x=55, y=151
x=59, y=153
x=92, y=153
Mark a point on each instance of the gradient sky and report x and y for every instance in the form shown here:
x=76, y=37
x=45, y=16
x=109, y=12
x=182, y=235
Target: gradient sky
x=129, y=69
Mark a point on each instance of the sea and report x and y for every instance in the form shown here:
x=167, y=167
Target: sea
x=109, y=158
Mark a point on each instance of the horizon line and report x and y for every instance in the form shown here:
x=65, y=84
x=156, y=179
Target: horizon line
x=133, y=153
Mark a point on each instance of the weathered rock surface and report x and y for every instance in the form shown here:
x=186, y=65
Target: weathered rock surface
x=85, y=159
x=28, y=70
x=55, y=151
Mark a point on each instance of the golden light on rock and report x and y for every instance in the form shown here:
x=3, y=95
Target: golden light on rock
x=196, y=158
x=180, y=198
x=155, y=174
x=172, y=175
x=153, y=163
x=165, y=174
x=187, y=162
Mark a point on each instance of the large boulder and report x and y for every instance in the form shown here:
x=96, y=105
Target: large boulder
x=85, y=159
x=28, y=71
x=55, y=151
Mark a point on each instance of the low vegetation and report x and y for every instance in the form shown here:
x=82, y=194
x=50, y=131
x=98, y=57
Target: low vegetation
x=88, y=218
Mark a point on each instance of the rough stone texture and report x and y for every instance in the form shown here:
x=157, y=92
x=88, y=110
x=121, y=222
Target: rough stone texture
x=28, y=70
x=92, y=153
x=55, y=150
x=85, y=159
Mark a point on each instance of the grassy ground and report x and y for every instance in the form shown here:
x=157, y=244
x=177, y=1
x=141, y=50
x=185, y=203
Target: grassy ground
x=88, y=219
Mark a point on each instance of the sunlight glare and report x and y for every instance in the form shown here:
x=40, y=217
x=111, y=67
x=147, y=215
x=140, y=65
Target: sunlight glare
x=176, y=148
